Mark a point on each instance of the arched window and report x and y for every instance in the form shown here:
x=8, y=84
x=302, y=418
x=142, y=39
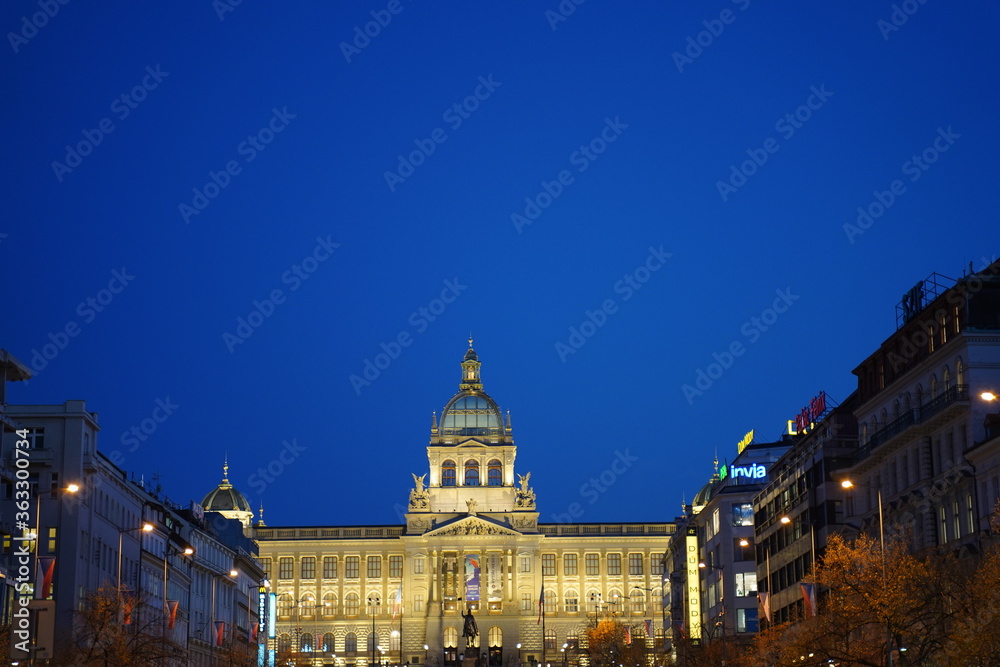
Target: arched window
x=550, y=639
x=394, y=640
x=656, y=598
x=920, y=396
x=864, y=433
x=351, y=642
x=906, y=403
x=933, y=387
x=895, y=410
x=284, y=643
x=372, y=641
x=959, y=373
x=944, y=329
x=885, y=418
x=947, y=379
x=572, y=604
x=328, y=643
x=307, y=606
x=374, y=603
x=550, y=601
x=495, y=637
x=495, y=473
x=448, y=473
x=351, y=604
x=450, y=637
x=638, y=601
x=330, y=604
x=472, y=472
x=285, y=604
x=307, y=643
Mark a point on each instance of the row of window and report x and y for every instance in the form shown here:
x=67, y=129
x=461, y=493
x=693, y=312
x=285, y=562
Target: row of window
x=592, y=564
x=352, y=567
x=494, y=473
x=614, y=602
x=328, y=608
x=919, y=399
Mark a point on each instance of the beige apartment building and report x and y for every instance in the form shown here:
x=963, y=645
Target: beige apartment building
x=472, y=543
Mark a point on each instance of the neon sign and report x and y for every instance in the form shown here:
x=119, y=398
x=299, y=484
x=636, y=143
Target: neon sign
x=742, y=444
x=752, y=471
x=693, y=583
x=812, y=413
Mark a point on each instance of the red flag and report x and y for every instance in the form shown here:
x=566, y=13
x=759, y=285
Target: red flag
x=253, y=633
x=172, y=613
x=397, y=602
x=649, y=628
x=220, y=632
x=809, y=598
x=128, y=606
x=628, y=635
x=541, y=605
x=765, y=602
x=43, y=578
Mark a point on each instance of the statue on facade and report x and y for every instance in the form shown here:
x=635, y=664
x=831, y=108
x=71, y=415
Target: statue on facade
x=525, y=496
x=418, y=494
x=471, y=504
x=471, y=629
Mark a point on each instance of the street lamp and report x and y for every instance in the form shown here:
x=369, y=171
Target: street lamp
x=649, y=640
x=168, y=549
x=145, y=527
x=847, y=484
x=373, y=605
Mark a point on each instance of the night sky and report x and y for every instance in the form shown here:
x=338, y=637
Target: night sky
x=273, y=226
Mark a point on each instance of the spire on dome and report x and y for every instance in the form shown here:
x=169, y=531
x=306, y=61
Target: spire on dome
x=470, y=371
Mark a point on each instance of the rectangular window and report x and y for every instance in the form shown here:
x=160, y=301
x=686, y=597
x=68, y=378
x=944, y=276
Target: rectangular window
x=746, y=620
x=548, y=565
x=309, y=567
x=742, y=514
x=943, y=526
x=570, y=565
x=52, y=539
x=593, y=562
x=351, y=566
x=635, y=565
x=656, y=560
x=265, y=565
x=36, y=438
x=418, y=566
x=615, y=564
x=572, y=603
x=418, y=602
x=971, y=514
x=374, y=567
x=525, y=563
x=525, y=601
x=956, y=519
x=746, y=584
x=395, y=566
x=286, y=568
x=329, y=567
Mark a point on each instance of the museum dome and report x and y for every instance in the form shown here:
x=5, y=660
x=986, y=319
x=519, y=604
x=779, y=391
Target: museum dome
x=225, y=497
x=471, y=412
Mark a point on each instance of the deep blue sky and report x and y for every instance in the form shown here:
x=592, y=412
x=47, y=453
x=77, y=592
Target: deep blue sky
x=607, y=68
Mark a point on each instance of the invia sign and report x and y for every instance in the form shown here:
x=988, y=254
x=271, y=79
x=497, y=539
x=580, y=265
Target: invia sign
x=752, y=471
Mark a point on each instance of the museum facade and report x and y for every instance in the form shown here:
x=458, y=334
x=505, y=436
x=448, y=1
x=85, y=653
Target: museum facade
x=472, y=542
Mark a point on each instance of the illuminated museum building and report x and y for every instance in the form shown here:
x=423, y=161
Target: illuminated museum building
x=472, y=540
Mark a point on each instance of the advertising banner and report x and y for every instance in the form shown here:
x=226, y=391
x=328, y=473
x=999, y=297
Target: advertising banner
x=472, y=577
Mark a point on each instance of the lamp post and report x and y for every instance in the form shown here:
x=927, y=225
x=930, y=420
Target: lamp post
x=167, y=550
x=649, y=640
x=847, y=484
x=145, y=527
x=373, y=605
x=426, y=649
x=722, y=597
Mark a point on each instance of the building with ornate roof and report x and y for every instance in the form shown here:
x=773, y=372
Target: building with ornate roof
x=471, y=543
x=228, y=501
